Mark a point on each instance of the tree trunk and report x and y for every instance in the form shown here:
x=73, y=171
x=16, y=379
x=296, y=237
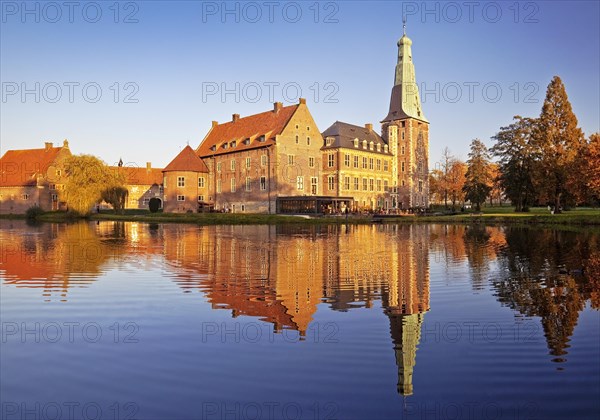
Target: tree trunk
x=557, y=209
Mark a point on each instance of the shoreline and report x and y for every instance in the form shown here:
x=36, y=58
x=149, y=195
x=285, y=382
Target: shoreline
x=570, y=218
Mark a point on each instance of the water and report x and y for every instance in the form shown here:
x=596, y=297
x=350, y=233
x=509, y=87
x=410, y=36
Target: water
x=131, y=320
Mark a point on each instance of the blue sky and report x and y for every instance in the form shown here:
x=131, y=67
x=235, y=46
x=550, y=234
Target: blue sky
x=161, y=68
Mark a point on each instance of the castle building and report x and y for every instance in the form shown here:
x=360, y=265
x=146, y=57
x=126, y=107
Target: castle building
x=257, y=162
x=185, y=182
x=406, y=130
x=30, y=177
x=142, y=183
x=357, y=163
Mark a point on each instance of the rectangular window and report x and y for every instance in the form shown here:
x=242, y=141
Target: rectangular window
x=201, y=182
x=379, y=185
x=355, y=184
x=403, y=137
x=421, y=186
x=402, y=150
x=219, y=167
x=54, y=197
x=330, y=160
x=331, y=183
x=311, y=162
x=263, y=160
x=385, y=186
x=371, y=185
x=385, y=165
x=248, y=183
x=356, y=161
x=201, y=198
x=347, y=183
x=218, y=185
x=52, y=186
x=290, y=159
x=233, y=164
x=263, y=183
x=378, y=167
x=364, y=184
x=232, y=184
x=364, y=165
x=371, y=163
x=300, y=183
x=181, y=198
x=402, y=166
x=347, y=160
x=248, y=162
x=181, y=181
x=314, y=182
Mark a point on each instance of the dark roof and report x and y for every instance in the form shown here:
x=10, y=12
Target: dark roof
x=344, y=134
x=186, y=160
x=267, y=124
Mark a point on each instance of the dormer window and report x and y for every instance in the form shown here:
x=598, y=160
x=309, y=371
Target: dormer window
x=225, y=145
x=234, y=143
x=247, y=141
x=329, y=141
x=379, y=147
x=364, y=144
x=371, y=145
x=261, y=139
x=385, y=148
x=213, y=147
x=355, y=142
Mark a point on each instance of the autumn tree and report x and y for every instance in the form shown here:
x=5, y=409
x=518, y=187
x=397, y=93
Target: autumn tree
x=591, y=164
x=516, y=153
x=89, y=181
x=478, y=183
x=496, y=187
x=559, y=140
x=456, y=181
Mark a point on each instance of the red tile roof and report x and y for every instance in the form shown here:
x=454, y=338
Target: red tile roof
x=253, y=127
x=140, y=176
x=20, y=168
x=186, y=160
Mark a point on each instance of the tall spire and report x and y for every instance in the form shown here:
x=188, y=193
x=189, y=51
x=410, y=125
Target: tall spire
x=405, y=101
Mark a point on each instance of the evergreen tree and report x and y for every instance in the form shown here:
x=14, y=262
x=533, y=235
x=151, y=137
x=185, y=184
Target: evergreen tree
x=558, y=140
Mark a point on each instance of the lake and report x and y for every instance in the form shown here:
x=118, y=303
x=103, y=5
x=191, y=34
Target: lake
x=124, y=320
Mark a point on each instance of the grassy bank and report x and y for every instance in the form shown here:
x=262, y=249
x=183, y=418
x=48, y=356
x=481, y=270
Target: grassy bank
x=489, y=215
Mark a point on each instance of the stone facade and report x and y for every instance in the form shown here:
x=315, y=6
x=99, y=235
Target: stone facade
x=142, y=183
x=32, y=177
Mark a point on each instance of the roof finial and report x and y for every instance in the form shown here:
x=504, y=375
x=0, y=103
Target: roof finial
x=404, y=24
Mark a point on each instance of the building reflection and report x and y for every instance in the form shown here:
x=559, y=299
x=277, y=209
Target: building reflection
x=281, y=274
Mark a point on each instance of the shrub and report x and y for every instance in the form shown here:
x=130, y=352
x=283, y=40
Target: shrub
x=33, y=212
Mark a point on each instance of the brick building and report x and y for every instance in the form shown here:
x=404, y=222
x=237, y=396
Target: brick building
x=142, y=183
x=32, y=177
x=406, y=130
x=258, y=160
x=186, y=183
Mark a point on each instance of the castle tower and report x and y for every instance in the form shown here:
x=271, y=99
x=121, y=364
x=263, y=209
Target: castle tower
x=406, y=130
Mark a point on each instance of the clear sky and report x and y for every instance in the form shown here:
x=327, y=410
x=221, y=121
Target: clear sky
x=139, y=80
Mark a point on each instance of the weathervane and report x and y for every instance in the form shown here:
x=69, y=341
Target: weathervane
x=404, y=24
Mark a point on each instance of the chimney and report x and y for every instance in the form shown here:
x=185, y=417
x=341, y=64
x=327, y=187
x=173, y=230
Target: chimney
x=148, y=166
x=302, y=101
x=215, y=123
x=48, y=145
x=66, y=143
x=277, y=106
x=235, y=117
x=369, y=127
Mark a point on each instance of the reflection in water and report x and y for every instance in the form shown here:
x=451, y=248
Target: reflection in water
x=280, y=274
